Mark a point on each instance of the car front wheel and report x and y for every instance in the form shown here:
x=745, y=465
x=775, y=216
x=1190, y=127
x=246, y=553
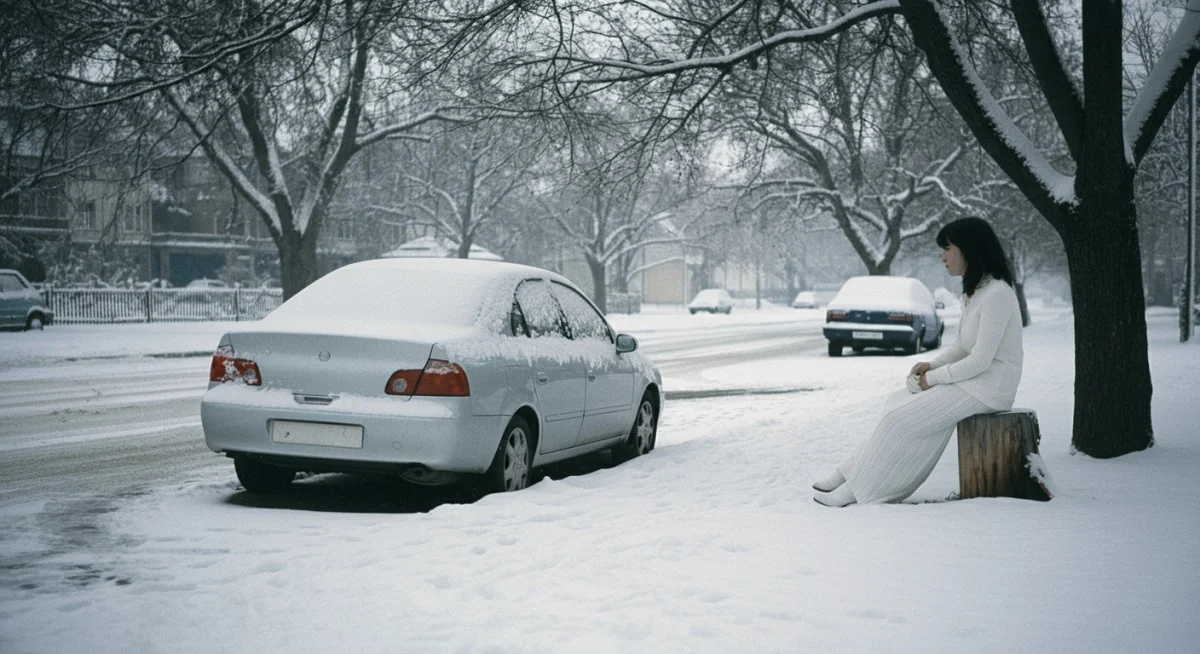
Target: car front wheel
x=35, y=322
x=512, y=466
x=258, y=477
x=642, y=435
x=835, y=349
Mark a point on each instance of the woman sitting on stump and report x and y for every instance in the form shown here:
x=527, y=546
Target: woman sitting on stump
x=978, y=374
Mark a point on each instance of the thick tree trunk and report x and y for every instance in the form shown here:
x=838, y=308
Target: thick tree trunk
x=599, y=283
x=1112, y=368
x=297, y=262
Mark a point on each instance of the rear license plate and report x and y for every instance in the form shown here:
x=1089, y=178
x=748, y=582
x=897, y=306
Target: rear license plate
x=868, y=336
x=316, y=433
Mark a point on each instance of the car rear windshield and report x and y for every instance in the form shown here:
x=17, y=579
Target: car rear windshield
x=411, y=296
x=869, y=290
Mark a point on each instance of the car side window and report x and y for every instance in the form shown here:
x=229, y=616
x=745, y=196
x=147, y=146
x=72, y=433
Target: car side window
x=10, y=284
x=585, y=322
x=516, y=320
x=539, y=310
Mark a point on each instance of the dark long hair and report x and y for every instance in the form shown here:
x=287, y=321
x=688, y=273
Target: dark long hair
x=981, y=250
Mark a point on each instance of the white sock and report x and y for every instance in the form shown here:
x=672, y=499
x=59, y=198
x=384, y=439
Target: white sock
x=841, y=496
x=831, y=482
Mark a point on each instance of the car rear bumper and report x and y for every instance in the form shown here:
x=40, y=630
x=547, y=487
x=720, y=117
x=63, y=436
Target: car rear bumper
x=888, y=335
x=439, y=433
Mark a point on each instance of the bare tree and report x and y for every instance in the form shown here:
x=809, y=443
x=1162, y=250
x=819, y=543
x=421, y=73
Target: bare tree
x=279, y=96
x=468, y=173
x=864, y=134
x=615, y=210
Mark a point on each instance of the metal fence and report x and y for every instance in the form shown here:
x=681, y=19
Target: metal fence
x=111, y=305
x=624, y=302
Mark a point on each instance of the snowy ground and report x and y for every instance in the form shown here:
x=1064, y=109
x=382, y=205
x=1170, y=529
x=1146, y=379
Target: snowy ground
x=710, y=543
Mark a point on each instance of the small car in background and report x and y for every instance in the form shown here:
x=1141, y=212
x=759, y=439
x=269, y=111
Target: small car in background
x=883, y=312
x=432, y=370
x=204, y=283
x=805, y=300
x=21, y=305
x=712, y=300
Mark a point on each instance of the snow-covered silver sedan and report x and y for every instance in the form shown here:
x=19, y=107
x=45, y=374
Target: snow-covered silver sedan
x=431, y=369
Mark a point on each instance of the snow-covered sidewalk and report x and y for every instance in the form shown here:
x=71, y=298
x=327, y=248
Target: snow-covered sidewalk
x=710, y=543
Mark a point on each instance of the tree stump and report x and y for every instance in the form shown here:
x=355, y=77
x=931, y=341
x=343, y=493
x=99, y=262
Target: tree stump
x=998, y=456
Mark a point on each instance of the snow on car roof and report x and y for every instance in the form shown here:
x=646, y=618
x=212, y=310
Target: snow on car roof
x=473, y=267
x=882, y=292
x=451, y=292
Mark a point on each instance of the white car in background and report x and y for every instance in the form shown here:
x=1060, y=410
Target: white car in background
x=883, y=312
x=205, y=283
x=805, y=300
x=712, y=300
x=432, y=369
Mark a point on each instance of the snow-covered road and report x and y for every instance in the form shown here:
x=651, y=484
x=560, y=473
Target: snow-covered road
x=100, y=423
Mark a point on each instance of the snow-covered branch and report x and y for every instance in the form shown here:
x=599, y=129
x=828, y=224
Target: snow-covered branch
x=725, y=61
x=1164, y=85
x=222, y=160
x=408, y=125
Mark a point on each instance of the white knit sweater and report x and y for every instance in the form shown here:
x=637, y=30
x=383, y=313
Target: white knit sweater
x=986, y=359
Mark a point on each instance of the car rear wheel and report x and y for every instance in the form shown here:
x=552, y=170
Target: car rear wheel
x=918, y=346
x=642, y=435
x=512, y=466
x=35, y=322
x=258, y=477
x=835, y=349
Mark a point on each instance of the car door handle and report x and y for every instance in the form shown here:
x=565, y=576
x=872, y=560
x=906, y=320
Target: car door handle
x=542, y=378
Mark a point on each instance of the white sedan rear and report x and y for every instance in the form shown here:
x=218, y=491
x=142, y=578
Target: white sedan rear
x=432, y=369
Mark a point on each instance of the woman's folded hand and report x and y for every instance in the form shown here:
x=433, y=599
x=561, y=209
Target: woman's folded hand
x=913, y=383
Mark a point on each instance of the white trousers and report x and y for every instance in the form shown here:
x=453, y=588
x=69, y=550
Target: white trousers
x=910, y=438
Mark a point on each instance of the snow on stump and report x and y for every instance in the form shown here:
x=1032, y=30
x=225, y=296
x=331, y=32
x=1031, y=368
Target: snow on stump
x=998, y=456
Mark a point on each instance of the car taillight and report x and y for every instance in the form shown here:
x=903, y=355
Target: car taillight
x=834, y=315
x=227, y=368
x=402, y=382
x=898, y=316
x=438, y=379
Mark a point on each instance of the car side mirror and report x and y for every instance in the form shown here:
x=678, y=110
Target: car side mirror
x=626, y=343
x=939, y=305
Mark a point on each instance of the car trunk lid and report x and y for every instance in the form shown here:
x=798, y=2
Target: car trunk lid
x=317, y=367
